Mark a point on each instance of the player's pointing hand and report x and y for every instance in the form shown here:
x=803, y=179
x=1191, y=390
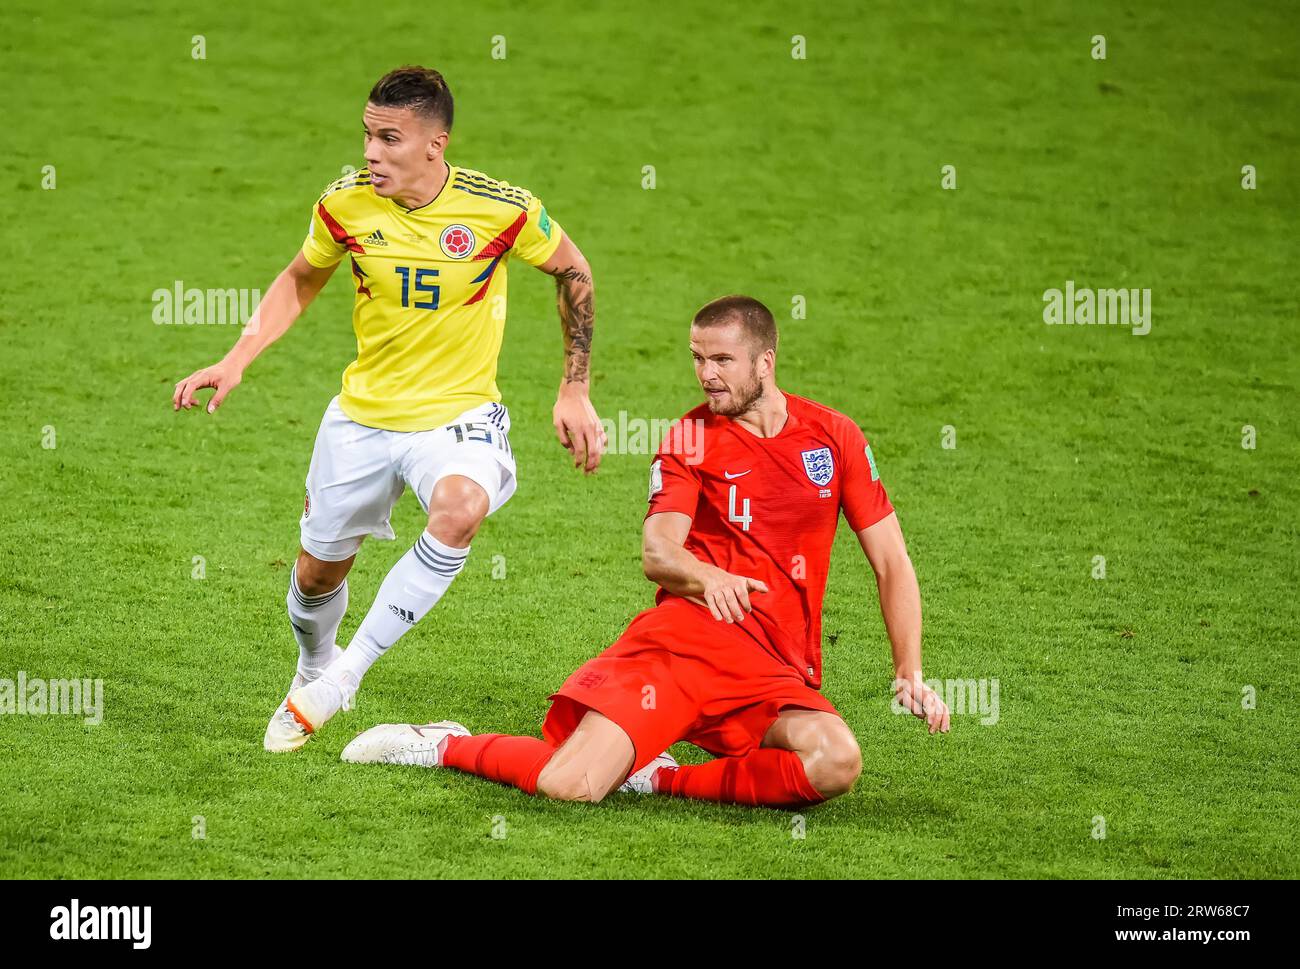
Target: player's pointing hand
x=221, y=376
x=727, y=595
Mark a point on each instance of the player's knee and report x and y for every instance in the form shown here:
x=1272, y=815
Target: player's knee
x=564, y=785
x=316, y=577
x=456, y=510
x=574, y=783
x=836, y=765
x=599, y=788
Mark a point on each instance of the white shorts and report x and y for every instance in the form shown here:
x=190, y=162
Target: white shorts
x=357, y=473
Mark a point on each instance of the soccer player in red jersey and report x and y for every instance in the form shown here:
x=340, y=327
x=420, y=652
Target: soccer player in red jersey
x=745, y=496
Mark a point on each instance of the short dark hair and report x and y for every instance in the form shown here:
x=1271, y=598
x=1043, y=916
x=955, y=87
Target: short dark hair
x=421, y=89
x=754, y=318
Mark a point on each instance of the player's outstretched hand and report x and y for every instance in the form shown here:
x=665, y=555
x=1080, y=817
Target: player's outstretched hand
x=222, y=376
x=727, y=595
x=924, y=703
x=579, y=430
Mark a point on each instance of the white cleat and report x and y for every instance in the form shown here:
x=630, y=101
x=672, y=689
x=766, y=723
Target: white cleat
x=305, y=710
x=417, y=745
x=298, y=681
x=642, y=782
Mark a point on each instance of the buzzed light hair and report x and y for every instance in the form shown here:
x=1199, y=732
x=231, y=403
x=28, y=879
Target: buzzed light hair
x=755, y=319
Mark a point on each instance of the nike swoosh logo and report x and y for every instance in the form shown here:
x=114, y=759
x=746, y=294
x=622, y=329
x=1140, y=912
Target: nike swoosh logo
x=728, y=475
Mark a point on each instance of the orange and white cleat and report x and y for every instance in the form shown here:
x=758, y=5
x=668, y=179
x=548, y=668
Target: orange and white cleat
x=304, y=711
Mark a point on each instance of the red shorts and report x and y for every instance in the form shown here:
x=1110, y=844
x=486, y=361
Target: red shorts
x=677, y=673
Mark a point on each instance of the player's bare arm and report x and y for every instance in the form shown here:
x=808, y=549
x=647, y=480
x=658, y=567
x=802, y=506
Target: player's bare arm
x=290, y=294
x=668, y=564
x=900, y=605
x=576, y=423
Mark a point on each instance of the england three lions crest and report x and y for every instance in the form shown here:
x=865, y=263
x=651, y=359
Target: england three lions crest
x=819, y=465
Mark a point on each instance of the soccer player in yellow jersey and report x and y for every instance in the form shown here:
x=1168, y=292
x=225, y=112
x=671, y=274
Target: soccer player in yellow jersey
x=427, y=245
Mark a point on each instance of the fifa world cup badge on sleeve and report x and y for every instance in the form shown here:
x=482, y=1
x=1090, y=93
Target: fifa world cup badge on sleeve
x=656, y=479
x=871, y=460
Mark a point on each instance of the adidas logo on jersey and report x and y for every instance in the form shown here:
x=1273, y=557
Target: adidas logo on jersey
x=405, y=615
x=375, y=238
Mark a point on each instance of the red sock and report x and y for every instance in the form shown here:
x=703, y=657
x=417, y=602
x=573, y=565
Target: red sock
x=499, y=757
x=765, y=776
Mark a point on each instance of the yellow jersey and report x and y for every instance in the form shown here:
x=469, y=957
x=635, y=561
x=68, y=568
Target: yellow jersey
x=430, y=307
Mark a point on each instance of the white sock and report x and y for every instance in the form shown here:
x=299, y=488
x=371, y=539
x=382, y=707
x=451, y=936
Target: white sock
x=315, y=621
x=409, y=591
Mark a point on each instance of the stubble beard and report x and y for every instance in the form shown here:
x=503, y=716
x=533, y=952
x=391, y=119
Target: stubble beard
x=743, y=402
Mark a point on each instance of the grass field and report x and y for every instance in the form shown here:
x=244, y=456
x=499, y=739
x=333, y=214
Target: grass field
x=820, y=177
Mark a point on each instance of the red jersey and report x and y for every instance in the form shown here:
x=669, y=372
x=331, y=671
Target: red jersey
x=767, y=507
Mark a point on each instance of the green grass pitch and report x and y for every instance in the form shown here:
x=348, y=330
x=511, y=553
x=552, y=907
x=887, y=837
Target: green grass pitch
x=1125, y=698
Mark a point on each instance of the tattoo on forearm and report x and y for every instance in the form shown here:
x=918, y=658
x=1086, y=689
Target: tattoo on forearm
x=571, y=273
x=573, y=296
